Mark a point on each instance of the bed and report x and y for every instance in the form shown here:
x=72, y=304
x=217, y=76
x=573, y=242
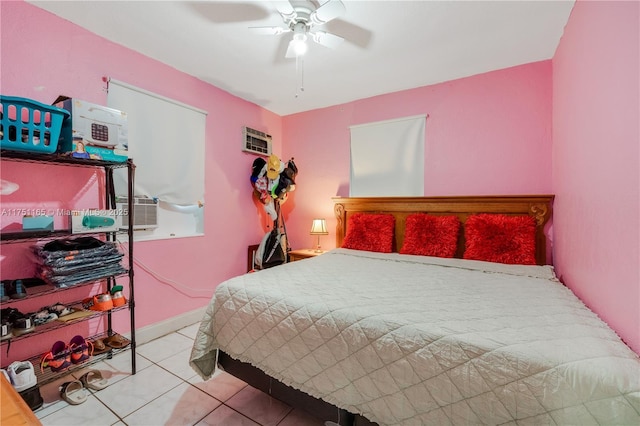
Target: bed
x=384, y=335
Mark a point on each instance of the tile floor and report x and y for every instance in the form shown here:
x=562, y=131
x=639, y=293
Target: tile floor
x=166, y=391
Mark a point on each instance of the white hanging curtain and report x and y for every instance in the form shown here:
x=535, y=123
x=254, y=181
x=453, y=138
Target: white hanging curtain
x=387, y=158
x=166, y=142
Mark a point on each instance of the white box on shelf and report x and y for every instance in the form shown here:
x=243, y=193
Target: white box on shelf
x=102, y=131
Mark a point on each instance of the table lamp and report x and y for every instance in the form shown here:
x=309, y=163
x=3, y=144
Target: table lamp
x=319, y=227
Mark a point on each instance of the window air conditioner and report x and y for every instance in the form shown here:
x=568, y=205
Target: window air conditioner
x=256, y=142
x=145, y=212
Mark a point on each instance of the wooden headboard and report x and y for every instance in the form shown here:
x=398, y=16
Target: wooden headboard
x=537, y=206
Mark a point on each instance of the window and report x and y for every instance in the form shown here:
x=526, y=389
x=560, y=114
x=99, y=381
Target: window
x=166, y=142
x=387, y=158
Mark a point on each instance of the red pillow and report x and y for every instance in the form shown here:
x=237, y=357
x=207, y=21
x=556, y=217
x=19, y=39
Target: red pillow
x=500, y=238
x=370, y=232
x=428, y=235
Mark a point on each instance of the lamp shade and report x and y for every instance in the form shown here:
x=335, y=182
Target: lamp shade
x=319, y=227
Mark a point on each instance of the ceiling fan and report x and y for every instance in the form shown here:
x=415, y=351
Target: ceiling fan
x=301, y=18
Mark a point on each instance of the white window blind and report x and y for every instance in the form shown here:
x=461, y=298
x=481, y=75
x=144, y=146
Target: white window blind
x=387, y=158
x=166, y=142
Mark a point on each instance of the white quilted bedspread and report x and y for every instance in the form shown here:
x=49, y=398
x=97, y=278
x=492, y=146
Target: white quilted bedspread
x=412, y=340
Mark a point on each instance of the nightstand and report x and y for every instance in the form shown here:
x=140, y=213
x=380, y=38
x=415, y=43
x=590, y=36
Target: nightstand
x=303, y=254
x=251, y=253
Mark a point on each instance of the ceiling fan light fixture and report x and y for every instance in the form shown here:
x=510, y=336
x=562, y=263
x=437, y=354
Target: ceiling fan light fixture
x=300, y=44
x=300, y=18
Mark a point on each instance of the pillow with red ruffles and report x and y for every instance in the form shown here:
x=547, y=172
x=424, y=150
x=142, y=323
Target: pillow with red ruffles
x=370, y=232
x=429, y=235
x=501, y=238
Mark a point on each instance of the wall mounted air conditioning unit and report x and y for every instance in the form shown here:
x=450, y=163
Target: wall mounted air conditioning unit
x=256, y=142
x=145, y=212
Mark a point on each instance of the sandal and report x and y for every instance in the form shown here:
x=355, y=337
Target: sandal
x=116, y=341
x=93, y=380
x=73, y=392
x=99, y=347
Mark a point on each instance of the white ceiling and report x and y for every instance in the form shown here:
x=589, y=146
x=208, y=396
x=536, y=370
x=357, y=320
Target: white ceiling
x=389, y=45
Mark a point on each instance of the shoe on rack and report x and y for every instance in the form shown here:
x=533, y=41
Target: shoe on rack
x=22, y=375
x=43, y=316
x=17, y=290
x=117, y=297
x=6, y=330
x=60, y=310
x=116, y=341
x=17, y=321
x=99, y=347
x=81, y=349
x=58, y=359
x=99, y=302
x=22, y=325
x=7, y=315
x=23, y=379
x=4, y=293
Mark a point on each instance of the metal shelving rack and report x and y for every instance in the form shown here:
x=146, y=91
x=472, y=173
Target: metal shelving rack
x=110, y=203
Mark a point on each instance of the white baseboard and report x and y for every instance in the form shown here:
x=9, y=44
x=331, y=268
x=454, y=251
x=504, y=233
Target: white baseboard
x=162, y=328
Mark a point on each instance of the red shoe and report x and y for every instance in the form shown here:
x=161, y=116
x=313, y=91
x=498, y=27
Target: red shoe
x=59, y=359
x=80, y=349
x=117, y=296
x=99, y=302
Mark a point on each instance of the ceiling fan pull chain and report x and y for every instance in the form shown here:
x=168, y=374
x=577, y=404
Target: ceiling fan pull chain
x=297, y=68
x=300, y=71
x=302, y=74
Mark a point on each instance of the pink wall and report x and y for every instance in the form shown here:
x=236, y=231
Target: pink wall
x=44, y=56
x=474, y=124
x=486, y=134
x=596, y=161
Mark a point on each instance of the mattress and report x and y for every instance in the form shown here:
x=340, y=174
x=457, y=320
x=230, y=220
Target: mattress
x=406, y=340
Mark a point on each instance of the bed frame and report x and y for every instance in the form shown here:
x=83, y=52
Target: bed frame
x=537, y=206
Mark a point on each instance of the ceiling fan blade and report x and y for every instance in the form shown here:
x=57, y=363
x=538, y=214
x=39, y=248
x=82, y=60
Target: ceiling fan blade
x=327, y=39
x=285, y=9
x=328, y=11
x=269, y=30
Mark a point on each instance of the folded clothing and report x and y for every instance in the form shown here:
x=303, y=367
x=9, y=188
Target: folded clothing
x=87, y=265
x=71, y=261
x=86, y=276
x=60, y=259
x=73, y=244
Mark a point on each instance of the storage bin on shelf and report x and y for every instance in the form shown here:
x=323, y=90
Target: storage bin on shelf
x=29, y=126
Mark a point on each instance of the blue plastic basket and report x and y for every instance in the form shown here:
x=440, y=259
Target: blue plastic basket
x=28, y=125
